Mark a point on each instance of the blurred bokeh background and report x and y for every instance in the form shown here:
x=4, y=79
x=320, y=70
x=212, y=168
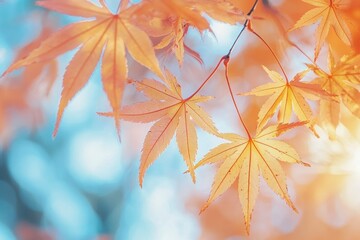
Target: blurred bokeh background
x=83, y=184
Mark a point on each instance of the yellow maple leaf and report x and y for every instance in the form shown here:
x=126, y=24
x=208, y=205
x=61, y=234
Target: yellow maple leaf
x=341, y=82
x=244, y=159
x=329, y=12
x=185, y=14
x=172, y=113
x=288, y=96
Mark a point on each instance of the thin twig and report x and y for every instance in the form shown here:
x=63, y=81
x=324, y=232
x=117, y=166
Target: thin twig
x=227, y=56
x=243, y=28
x=233, y=98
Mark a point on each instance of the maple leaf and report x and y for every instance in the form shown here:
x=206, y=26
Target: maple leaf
x=341, y=82
x=105, y=33
x=173, y=114
x=179, y=15
x=18, y=93
x=30, y=76
x=183, y=10
x=244, y=159
x=288, y=96
x=184, y=14
x=220, y=10
x=330, y=13
x=175, y=39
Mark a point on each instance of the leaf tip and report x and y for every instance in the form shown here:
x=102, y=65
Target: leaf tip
x=295, y=209
x=118, y=134
x=291, y=204
x=206, y=205
x=193, y=178
x=305, y=164
x=192, y=173
x=117, y=126
x=141, y=181
x=186, y=172
x=57, y=125
x=247, y=227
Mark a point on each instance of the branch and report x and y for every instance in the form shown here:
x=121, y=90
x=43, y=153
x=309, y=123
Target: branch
x=227, y=56
x=243, y=28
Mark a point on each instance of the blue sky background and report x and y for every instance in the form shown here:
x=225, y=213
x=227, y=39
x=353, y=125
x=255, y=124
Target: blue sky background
x=84, y=183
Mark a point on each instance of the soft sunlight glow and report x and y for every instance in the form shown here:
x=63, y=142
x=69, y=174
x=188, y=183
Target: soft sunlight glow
x=185, y=85
x=160, y=210
x=223, y=32
x=340, y=157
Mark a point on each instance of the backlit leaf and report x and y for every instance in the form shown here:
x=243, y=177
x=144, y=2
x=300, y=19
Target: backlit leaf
x=329, y=13
x=173, y=114
x=104, y=32
x=247, y=159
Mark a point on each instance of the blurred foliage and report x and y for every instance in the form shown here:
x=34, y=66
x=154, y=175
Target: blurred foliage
x=83, y=184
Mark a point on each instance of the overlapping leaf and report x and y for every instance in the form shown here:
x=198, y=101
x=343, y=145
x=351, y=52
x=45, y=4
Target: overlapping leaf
x=105, y=33
x=289, y=97
x=245, y=159
x=31, y=75
x=329, y=12
x=172, y=113
x=342, y=82
x=20, y=95
x=182, y=14
x=175, y=39
x=220, y=10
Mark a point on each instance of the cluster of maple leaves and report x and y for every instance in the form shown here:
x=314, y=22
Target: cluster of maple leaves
x=135, y=28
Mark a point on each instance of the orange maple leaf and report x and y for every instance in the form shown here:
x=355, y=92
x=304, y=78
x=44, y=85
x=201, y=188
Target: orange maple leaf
x=173, y=114
x=17, y=93
x=181, y=9
x=330, y=13
x=341, y=81
x=175, y=39
x=245, y=158
x=106, y=33
x=288, y=96
x=31, y=75
x=184, y=14
x=220, y=10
